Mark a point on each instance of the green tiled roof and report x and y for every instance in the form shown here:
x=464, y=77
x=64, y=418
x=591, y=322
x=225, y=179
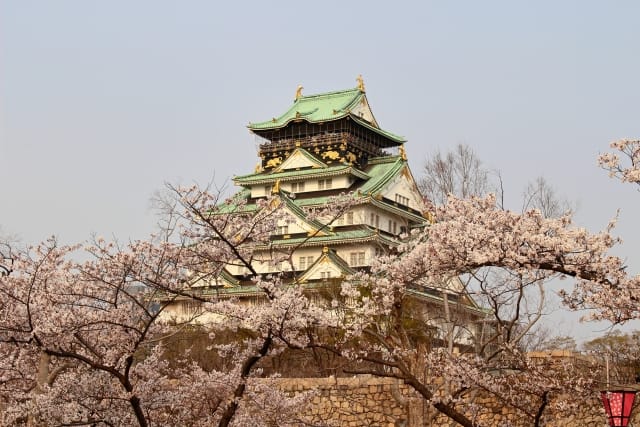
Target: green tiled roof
x=235, y=204
x=392, y=136
x=363, y=234
x=324, y=107
x=266, y=178
x=300, y=214
x=379, y=172
x=339, y=262
x=315, y=108
x=332, y=256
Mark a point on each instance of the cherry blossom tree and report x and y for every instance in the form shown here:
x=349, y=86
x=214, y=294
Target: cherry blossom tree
x=84, y=342
x=6, y=255
x=472, y=238
x=627, y=169
x=468, y=238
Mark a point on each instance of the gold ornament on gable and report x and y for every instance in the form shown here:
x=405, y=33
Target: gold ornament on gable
x=272, y=163
x=331, y=155
x=276, y=187
x=350, y=157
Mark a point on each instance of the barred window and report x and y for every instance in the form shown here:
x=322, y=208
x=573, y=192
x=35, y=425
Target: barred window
x=297, y=187
x=356, y=259
x=349, y=218
x=402, y=200
x=325, y=184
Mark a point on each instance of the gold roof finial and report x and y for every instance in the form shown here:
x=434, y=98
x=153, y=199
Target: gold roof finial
x=325, y=250
x=276, y=187
x=299, y=92
x=360, y=83
x=402, y=152
x=428, y=215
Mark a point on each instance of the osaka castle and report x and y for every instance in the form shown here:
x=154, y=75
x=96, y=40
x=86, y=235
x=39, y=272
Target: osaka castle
x=323, y=146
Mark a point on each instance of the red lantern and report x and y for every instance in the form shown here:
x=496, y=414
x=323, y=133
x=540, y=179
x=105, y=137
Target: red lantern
x=618, y=405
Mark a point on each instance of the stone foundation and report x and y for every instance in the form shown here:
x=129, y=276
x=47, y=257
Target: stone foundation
x=386, y=402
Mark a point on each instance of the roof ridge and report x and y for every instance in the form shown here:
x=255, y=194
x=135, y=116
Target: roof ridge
x=299, y=212
x=383, y=159
x=394, y=168
x=331, y=93
x=290, y=175
x=328, y=107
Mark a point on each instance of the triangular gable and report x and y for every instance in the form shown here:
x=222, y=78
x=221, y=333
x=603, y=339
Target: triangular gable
x=363, y=111
x=299, y=159
x=298, y=216
x=223, y=280
x=402, y=188
x=328, y=266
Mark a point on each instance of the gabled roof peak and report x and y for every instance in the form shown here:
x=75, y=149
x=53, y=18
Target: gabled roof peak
x=351, y=91
x=316, y=108
x=326, y=107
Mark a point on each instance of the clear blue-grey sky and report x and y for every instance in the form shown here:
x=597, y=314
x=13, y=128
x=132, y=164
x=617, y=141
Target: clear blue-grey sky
x=103, y=101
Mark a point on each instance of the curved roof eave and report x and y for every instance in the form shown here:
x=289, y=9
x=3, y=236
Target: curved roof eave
x=391, y=136
x=262, y=178
x=324, y=107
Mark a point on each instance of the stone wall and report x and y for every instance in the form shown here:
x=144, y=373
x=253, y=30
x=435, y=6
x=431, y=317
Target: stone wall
x=359, y=401
x=373, y=401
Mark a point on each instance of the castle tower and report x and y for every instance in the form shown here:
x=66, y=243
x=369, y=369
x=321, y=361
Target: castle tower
x=322, y=146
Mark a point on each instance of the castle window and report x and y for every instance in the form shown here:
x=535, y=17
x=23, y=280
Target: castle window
x=325, y=184
x=297, y=187
x=356, y=259
x=402, y=200
x=305, y=262
x=349, y=218
x=191, y=307
x=283, y=229
x=283, y=265
x=325, y=275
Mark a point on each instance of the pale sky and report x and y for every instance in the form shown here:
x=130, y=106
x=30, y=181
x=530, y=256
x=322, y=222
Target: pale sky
x=101, y=102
